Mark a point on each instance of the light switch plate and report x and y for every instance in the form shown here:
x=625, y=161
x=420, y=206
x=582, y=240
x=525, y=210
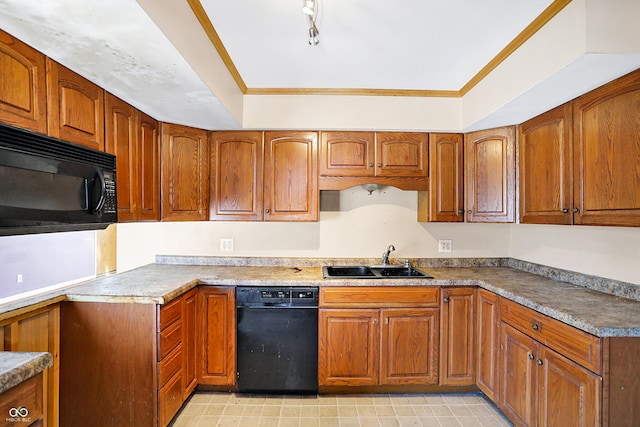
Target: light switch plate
x=445, y=245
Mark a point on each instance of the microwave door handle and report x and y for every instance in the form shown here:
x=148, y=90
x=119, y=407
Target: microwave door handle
x=96, y=205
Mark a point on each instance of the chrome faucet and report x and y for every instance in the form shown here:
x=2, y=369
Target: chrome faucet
x=385, y=256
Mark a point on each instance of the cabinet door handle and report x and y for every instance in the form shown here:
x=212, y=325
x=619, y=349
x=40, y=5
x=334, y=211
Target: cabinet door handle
x=540, y=363
x=379, y=165
x=531, y=356
x=469, y=211
x=267, y=211
x=460, y=211
x=446, y=299
x=565, y=210
x=370, y=165
x=575, y=210
x=535, y=326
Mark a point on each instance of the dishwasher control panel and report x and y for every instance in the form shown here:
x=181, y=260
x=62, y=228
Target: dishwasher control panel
x=256, y=296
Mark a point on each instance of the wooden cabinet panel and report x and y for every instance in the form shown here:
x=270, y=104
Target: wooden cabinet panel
x=545, y=157
x=216, y=355
x=236, y=183
x=578, y=345
x=185, y=173
x=170, y=365
x=569, y=394
x=29, y=395
x=409, y=347
x=488, y=343
x=169, y=339
x=457, y=335
x=23, y=94
x=169, y=400
x=348, y=346
x=518, y=388
x=75, y=107
x=607, y=154
x=380, y=296
x=401, y=154
x=446, y=196
x=291, y=176
x=347, y=153
x=39, y=331
x=490, y=175
x=148, y=168
x=189, y=343
x=120, y=134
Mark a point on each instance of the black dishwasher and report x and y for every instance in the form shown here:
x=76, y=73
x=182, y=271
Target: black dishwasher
x=277, y=339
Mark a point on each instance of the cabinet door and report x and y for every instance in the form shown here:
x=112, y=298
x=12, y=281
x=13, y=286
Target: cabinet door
x=569, y=394
x=291, y=176
x=216, y=356
x=518, y=388
x=545, y=156
x=236, y=184
x=446, y=197
x=189, y=343
x=402, y=154
x=23, y=93
x=607, y=154
x=457, y=335
x=148, y=167
x=185, y=173
x=490, y=175
x=409, y=348
x=348, y=347
x=347, y=153
x=488, y=343
x=120, y=140
x=75, y=107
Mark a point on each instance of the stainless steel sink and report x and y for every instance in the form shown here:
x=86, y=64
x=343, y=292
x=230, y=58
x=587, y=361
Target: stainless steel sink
x=374, y=272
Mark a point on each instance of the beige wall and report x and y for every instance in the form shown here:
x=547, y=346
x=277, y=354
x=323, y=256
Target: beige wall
x=363, y=226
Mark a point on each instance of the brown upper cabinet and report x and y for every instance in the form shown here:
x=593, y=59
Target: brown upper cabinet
x=545, y=154
x=490, y=175
x=133, y=138
x=236, y=181
x=271, y=176
x=185, y=173
x=290, y=176
x=606, y=129
x=75, y=107
x=389, y=158
x=444, y=201
x=23, y=93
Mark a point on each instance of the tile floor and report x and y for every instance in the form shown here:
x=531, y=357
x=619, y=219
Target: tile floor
x=378, y=410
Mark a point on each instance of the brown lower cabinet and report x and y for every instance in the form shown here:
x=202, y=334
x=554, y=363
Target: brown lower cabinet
x=28, y=394
x=457, y=336
x=391, y=341
x=38, y=330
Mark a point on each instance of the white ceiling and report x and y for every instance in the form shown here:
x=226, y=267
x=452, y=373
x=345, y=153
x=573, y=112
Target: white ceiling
x=364, y=44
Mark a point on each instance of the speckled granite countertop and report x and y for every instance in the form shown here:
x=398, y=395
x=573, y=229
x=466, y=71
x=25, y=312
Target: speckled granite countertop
x=16, y=367
x=569, y=297
x=595, y=312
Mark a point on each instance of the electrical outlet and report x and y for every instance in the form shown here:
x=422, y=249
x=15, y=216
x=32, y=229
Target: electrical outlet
x=18, y=278
x=445, y=245
x=226, y=245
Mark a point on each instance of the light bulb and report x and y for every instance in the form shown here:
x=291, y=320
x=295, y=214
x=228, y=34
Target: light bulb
x=309, y=7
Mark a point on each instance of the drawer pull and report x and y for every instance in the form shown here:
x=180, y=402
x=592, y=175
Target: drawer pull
x=446, y=299
x=531, y=356
x=535, y=326
x=540, y=363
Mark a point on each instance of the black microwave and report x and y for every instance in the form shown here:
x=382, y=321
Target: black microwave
x=49, y=185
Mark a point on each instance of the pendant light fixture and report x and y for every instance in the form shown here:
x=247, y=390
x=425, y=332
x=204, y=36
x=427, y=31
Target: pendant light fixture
x=310, y=8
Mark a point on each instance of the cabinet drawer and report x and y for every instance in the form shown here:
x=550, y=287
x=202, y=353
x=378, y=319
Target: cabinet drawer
x=579, y=346
x=170, y=399
x=168, y=366
x=27, y=394
x=169, y=313
x=169, y=339
x=380, y=296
